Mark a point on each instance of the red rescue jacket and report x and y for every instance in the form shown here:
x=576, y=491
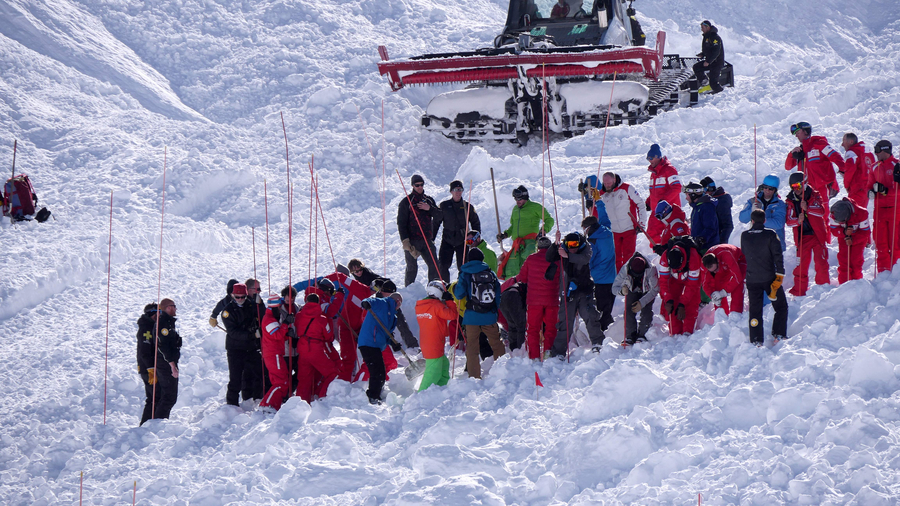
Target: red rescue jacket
x=819, y=157
x=664, y=184
x=815, y=213
x=857, y=225
x=883, y=172
x=732, y=271
x=541, y=291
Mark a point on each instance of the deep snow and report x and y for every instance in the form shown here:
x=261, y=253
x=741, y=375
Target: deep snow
x=96, y=90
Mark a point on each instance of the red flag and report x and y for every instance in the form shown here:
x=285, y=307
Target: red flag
x=537, y=380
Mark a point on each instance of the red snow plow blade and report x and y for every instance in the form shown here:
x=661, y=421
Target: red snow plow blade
x=538, y=63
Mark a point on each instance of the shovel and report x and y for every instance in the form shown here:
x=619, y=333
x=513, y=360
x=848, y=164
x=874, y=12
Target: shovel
x=414, y=369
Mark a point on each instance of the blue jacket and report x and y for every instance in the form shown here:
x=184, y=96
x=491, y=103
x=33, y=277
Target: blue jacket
x=462, y=290
x=303, y=285
x=603, y=250
x=705, y=221
x=776, y=211
x=371, y=333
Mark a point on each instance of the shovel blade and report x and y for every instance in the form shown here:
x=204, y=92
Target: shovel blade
x=415, y=369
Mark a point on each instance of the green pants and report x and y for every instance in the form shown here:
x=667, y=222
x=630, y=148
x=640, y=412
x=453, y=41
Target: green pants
x=517, y=258
x=437, y=372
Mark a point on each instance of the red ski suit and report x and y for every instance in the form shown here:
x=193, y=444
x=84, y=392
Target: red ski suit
x=541, y=301
x=812, y=245
x=886, y=222
x=275, y=346
x=349, y=323
x=819, y=171
x=857, y=172
x=664, y=185
x=852, y=237
x=315, y=335
x=674, y=224
x=681, y=287
x=730, y=276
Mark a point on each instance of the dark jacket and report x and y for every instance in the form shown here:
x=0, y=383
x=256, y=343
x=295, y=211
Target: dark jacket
x=220, y=306
x=705, y=221
x=240, y=326
x=169, y=340
x=713, y=50
x=366, y=277
x=762, y=248
x=577, y=269
x=146, y=346
x=461, y=290
x=453, y=217
x=723, y=213
x=407, y=224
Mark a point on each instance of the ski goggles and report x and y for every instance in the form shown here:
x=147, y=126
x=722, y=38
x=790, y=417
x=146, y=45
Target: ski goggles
x=694, y=191
x=797, y=186
x=472, y=240
x=800, y=126
x=572, y=244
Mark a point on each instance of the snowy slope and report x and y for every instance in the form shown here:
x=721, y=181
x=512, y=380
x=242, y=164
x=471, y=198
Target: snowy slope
x=97, y=91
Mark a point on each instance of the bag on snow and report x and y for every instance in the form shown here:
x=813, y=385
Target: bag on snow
x=482, y=292
x=19, y=198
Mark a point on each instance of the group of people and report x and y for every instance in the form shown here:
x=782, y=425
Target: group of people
x=343, y=327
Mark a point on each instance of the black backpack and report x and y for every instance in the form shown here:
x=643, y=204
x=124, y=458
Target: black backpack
x=482, y=292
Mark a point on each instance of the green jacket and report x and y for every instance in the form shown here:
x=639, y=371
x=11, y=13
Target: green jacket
x=527, y=220
x=490, y=257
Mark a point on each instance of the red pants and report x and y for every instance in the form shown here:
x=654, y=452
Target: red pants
x=314, y=358
x=885, y=228
x=655, y=228
x=850, y=258
x=817, y=251
x=540, y=316
x=625, y=244
x=348, y=360
x=734, y=302
x=691, y=308
x=279, y=376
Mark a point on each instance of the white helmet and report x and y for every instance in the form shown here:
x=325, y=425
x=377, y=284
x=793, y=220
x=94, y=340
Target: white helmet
x=435, y=288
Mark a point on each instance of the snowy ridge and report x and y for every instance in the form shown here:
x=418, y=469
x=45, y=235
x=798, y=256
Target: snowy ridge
x=95, y=91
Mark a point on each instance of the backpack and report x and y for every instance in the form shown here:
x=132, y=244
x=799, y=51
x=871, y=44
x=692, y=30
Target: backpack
x=18, y=198
x=482, y=292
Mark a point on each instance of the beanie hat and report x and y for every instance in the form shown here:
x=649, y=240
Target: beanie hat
x=455, y=184
x=841, y=210
x=475, y=255
x=239, y=289
x=708, y=183
x=705, y=22
x=341, y=268
x=675, y=257
x=772, y=180
x=637, y=264
x=416, y=179
x=388, y=286
x=654, y=152
x=274, y=300
x=231, y=283
x=163, y=304
x=150, y=308
x=883, y=145
x=544, y=242
x=520, y=193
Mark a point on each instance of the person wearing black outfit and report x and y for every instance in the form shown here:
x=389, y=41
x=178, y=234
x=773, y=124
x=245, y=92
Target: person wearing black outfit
x=765, y=272
x=713, y=54
x=220, y=306
x=415, y=217
x=724, y=202
x=576, y=292
x=512, y=307
x=453, y=240
x=169, y=353
x=361, y=273
x=242, y=347
x=146, y=349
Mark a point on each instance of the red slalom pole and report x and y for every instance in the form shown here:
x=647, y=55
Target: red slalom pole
x=162, y=221
x=322, y=213
x=108, y=282
x=419, y=223
x=253, y=242
x=287, y=160
x=268, y=259
x=606, y=127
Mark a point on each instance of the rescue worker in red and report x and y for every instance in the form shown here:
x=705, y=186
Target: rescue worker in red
x=850, y=226
x=560, y=10
x=350, y=320
x=679, y=285
x=664, y=185
x=806, y=212
x=674, y=222
x=723, y=276
x=278, y=331
x=884, y=189
x=315, y=334
x=542, y=299
x=625, y=209
x=815, y=157
x=857, y=169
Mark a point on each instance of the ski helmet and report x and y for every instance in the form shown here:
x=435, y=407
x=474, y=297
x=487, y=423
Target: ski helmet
x=796, y=177
x=435, y=288
x=475, y=255
x=883, y=145
x=693, y=190
x=573, y=240
x=708, y=184
x=841, y=211
x=520, y=193
x=662, y=209
x=326, y=286
x=806, y=127
x=675, y=257
x=772, y=180
x=473, y=237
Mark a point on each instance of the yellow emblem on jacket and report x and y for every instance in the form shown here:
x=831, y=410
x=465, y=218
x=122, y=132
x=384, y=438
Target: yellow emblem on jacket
x=224, y=314
x=164, y=332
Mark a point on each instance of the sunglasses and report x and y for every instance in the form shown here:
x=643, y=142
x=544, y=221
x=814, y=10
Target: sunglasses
x=573, y=244
x=240, y=297
x=419, y=185
x=765, y=187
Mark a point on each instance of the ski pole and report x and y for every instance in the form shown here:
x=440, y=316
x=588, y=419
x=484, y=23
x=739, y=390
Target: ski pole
x=159, y=281
x=497, y=209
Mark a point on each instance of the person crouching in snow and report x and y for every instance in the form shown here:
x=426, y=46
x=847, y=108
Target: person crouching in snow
x=850, y=226
x=374, y=336
x=278, y=331
x=434, y=314
x=638, y=281
x=724, y=273
x=679, y=284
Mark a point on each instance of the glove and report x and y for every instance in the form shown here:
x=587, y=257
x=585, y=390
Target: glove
x=213, y=322
x=501, y=236
x=832, y=192
x=258, y=335
x=447, y=296
x=151, y=376
x=773, y=290
x=659, y=249
x=647, y=202
x=798, y=155
x=625, y=288
x=408, y=247
x=288, y=319
x=680, y=312
x=365, y=305
x=880, y=188
x=670, y=305
x=636, y=307
x=896, y=176
x=581, y=187
x=717, y=296
x=699, y=55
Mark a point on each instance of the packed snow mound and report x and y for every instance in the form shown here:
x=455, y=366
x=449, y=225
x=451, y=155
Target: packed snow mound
x=103, y=95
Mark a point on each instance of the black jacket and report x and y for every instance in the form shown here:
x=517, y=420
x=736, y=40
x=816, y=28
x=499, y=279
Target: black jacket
x=146, y=346
x=407, y=224
x=713, y=50
x=723, y=212
x=221, y=306
x=169, y=340
x=241, y=324
x=453, y=217
x=762, y=248
x=366, y=277
x=577, y=269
